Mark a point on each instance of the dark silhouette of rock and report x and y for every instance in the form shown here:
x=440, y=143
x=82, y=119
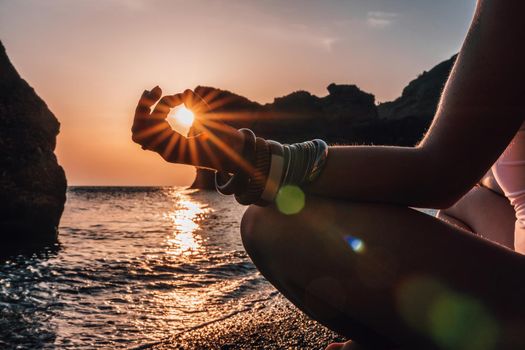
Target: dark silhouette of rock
x=346, y=115
x=204, y=180
x=421, y=97
x=32, y=184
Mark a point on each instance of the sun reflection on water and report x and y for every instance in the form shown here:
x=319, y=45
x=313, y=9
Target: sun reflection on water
x=185, y=218
x=135, y=266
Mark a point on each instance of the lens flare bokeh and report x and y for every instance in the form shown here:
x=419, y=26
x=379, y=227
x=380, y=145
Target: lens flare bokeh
x=290, y=200
x=452, y=320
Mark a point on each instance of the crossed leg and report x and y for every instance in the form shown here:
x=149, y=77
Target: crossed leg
x=375, y=273
x=484, y=213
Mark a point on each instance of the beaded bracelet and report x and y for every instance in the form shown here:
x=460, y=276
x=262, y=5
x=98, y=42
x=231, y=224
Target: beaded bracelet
x=273, y=165
x=320, y=160
x=275, y=175
x=304, y=161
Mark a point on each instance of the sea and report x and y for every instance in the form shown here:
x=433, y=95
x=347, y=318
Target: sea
x=134, y=266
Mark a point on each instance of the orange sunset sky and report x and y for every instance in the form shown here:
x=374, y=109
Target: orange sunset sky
x=90, y=60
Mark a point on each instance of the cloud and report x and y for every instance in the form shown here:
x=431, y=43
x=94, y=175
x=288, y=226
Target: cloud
x=132, y=5
x=380, y=20
x=300, y=35
x=328, y=43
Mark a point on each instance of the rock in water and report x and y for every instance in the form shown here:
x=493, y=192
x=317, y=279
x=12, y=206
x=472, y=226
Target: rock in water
x=204, y=180
x=32, y=184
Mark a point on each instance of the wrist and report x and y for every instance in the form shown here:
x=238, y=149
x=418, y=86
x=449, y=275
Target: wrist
x=242, y=166
x=266, y=166
x=235, y=157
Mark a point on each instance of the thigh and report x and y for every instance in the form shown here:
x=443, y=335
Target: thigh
x=378, y=273
x=486, y=213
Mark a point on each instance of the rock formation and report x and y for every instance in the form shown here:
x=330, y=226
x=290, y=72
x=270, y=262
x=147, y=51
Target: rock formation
x=32, y=184
x=420, y=98
x=346, y=115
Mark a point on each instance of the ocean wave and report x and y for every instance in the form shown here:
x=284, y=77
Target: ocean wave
x=121, y=275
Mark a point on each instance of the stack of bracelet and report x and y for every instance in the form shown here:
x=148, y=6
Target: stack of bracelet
x=271, y=166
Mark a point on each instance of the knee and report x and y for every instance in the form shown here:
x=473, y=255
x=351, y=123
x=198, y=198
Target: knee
x=265, y=231
x=254, y=227
x=267, y=226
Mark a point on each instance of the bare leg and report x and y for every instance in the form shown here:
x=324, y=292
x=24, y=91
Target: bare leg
x=448, y=217
x=485, y=213
x=358, y=294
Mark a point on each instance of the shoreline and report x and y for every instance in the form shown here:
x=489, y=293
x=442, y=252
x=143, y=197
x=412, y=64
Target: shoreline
x=274, y=324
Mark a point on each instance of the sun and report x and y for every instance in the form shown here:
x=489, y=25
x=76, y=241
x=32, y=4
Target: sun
x=184, y=116
x=181, y=119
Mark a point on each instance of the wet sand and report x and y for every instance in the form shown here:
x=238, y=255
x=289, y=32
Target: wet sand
x=276, y=324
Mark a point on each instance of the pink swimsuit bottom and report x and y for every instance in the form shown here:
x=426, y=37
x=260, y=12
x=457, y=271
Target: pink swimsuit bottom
x=509, y=171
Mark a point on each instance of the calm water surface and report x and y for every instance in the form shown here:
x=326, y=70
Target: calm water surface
x=134, y=266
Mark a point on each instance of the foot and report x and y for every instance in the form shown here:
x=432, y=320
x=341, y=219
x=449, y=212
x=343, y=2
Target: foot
x=349, y=345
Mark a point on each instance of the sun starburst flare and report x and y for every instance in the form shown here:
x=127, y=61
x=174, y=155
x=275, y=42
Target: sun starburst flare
x=185, y=142
x=181, y=119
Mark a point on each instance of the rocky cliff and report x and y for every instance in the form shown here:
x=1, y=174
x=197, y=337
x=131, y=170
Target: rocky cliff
x=346, y=115
x=32, y=184
x=420, y=98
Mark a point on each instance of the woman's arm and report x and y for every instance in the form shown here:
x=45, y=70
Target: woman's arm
x=479, y=113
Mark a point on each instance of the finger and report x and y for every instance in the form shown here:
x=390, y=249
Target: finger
x=174, y=149
x=201, y=102
x=216, y=127
x=155, y=93
x=142, y=111
x=178, y=149
x=165, y=104
x=143, y=105
x=158, y=142
x=147, y=100
x=188, y=97
x=145, y=133
x=210, y=95
x=195, y=102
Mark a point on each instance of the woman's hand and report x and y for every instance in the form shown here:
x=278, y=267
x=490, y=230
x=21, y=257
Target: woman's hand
x=213, y=144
